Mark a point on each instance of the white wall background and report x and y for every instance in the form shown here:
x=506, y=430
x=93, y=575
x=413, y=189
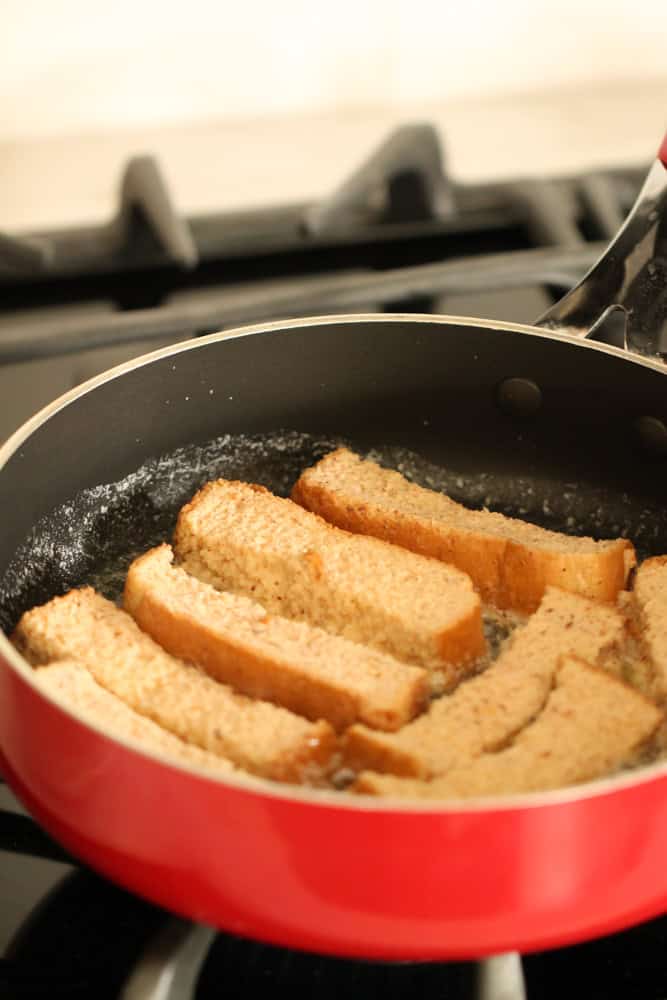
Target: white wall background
x=74, y=66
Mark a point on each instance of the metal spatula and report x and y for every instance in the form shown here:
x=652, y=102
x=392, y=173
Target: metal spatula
x=623, y=298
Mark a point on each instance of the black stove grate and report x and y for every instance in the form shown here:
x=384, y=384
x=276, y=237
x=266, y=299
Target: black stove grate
x=397, y=234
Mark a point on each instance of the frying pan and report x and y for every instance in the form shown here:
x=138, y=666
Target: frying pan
x=551, y=425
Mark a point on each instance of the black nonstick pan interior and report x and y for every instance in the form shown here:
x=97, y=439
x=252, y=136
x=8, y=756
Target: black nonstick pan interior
x=104, y=477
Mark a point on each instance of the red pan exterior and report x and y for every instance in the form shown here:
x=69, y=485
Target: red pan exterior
x=369, y=882
x=662, y=152
x=338, y=875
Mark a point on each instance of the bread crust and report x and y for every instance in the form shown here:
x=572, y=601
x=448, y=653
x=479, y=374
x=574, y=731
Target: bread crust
x=485, y=712
x=591, y=725
x=258, y=736
x=302, y=668
x=71, y=681
x=509, y=573
x=648, y=620
x=241, y=538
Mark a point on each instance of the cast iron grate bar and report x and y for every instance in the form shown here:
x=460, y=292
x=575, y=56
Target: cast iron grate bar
x=401, y=195
x=549, y=213
x=602, y=204
x=404, y=180
x=23, y=255
x=78, y=941
x=147, y=228
x=145, y=205
x=214, y=309
x=174, y=963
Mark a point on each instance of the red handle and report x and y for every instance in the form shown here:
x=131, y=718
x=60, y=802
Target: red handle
x=662, y=152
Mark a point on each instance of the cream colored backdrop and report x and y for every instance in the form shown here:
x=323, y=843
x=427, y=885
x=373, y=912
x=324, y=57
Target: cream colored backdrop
x=72, y=66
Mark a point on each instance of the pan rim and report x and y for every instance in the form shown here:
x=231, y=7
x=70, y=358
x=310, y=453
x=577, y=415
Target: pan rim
x=29, y=426
x=313, y=797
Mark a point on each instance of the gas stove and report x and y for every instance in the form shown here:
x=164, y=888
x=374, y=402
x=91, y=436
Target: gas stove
x=396, y=235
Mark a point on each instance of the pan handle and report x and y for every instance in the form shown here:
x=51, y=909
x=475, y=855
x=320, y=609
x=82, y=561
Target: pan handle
x=623, y=298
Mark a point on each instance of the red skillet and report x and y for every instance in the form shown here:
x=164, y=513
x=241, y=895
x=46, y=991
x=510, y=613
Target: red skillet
x=555, y=426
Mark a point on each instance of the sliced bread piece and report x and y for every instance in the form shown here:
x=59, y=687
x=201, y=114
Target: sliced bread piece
x=71, y=681
x=591, y=725
x=485, y=712
x=294, y=664
x=256, y=735
x=241, y=538
x=511, y=562
x=648, y=611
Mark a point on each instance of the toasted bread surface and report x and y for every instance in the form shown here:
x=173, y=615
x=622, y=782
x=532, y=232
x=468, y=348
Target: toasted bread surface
x=241, y=538
x=648, y=609
x=486, y=711
x=510, y=561
x=71, y=681
x=591, y=725
x=299, y=666
x=261, y=737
